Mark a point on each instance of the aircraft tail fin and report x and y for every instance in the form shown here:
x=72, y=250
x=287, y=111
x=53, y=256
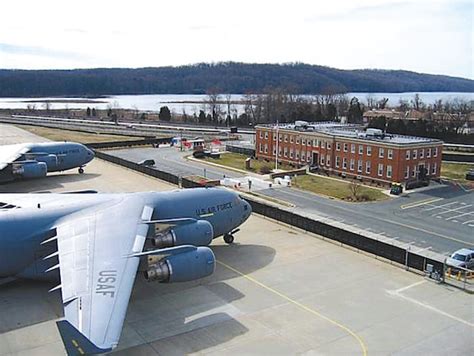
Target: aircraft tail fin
x=75, y=342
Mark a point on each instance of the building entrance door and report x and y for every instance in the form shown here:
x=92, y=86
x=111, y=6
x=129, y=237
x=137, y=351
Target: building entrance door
x=315, y=159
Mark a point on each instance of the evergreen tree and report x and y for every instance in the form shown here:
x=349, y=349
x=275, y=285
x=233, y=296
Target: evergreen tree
x=165, y=114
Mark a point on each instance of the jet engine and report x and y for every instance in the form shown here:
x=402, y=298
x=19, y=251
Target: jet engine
x=50, y=160
x=183, y=267
x=199, y=233
x=31, y=169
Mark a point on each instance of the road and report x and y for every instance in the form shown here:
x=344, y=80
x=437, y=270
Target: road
x=407, y=219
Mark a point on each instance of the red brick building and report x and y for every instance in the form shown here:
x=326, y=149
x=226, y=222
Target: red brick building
x=349, y=151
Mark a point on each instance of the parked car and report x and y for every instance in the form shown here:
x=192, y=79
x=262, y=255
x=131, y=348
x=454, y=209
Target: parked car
x=470, y=174
x=147, y=162
x=463, y=258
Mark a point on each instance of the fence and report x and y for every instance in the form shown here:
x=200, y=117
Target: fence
x=129, y=143
x=240, y=149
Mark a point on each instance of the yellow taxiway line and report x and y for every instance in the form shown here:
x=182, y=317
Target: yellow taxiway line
x=300, y=305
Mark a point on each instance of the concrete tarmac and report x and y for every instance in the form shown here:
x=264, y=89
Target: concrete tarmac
x=276, y=290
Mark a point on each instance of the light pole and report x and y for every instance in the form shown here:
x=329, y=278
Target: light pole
x=276, y=147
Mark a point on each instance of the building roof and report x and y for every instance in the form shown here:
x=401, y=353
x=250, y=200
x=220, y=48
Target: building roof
x=350, y=131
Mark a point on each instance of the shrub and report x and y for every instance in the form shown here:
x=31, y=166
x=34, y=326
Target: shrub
x=265, y=170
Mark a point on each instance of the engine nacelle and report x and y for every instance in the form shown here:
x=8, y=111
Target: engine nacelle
x=50, y=160
x=31, y=170
x=199, y=233
x=183, y=267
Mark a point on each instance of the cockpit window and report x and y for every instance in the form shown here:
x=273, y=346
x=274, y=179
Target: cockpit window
x=245, y=207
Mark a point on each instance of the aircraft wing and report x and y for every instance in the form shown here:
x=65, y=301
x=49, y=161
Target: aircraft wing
x=98, y=259
x=10, y=153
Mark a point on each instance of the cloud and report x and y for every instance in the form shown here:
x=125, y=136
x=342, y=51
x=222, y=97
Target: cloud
x=40, y=51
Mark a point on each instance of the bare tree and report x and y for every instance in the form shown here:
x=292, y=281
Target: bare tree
x=355, y=188
x=213, y=102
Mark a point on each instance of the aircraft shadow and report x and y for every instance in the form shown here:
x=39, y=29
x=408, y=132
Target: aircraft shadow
x=44, y=184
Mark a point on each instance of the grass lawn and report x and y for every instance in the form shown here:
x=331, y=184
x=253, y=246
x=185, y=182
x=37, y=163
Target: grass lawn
x=76, y=136
x=237, y=160
x=456, y=171
x=335, y=188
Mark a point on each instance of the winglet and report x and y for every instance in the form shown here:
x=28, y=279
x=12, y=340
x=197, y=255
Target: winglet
x=75, y=342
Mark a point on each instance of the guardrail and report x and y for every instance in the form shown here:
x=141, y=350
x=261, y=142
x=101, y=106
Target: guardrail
x=129, y=143
x=458, y=157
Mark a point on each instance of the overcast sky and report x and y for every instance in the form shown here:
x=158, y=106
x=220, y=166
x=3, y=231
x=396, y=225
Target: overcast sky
x=422, y=36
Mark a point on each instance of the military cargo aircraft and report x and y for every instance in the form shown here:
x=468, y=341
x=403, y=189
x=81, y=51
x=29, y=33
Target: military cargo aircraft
x=92, y=245
x=35, y=160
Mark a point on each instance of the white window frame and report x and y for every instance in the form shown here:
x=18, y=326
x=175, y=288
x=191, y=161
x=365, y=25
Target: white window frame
x=380, y=170
x=369, y=150
x=361, y=149
x=407, y=172
x=422, y=153
x=414, y=154
x=286, y=138
x=291, y=138
x=389, y=171
x=381, y=152
x=352, y=164
x=368, y=167
x=260, y=148
x=360, y=163
x=303, y=141
x=435, y=152
x=344, y=163
x=434, y=169
x=338, y=159
x=315, y=142
x=407, y=155
x=338, y=146
x=413, y=172
x=322, y=160
x=261, y=134
x=266, y=148
x=266, y=135
x=390, y=153
x=328, y=160
x=353, y=148
x=345, y=147
x=428, y=153
x=291, y=152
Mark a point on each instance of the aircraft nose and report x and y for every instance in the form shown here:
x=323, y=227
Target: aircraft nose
x=90, y=154
x=247, y=209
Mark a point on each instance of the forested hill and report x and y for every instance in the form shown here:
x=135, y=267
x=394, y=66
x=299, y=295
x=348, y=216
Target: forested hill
x=221, y=77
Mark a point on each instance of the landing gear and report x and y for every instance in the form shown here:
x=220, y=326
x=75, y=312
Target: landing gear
x=228, y=238
x=81, y=170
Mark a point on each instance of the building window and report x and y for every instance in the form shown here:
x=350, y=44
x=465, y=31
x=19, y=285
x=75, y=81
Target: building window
x=266, y=135
x=415, y=152
x=328, y=145
x=303, y=155
x=433, y=170
x=285, y=152
x=297, y=140
x=435, y=152
x=261, y=134
x=328, y=160
x=351, y=167
x=297, y=154
x=407, y=172
x=408, y=155
x=279, y=151
x=322, y=160
x=291, y=153
x=359, y=166
x=337, y=161
x=280, y=137
x=321, y=144
x=381, y=152
x=260, y=148
x=367, y=167
x=353, y=148
x=308, y=142
x=274, y=150
x=308, y=157
x=389, y=171
x=286, y=138
x=428, y=153
x=303, y=141
x=338, y=146
x=390, y=154
x=274, y=136
x=380, y=170
x=361, y=149
x=291, y=138
x=344, y=163
x=345, y=147
x=422, y=153
x=369, y=150
x=266, y=148
x=315, y=143
x=427, y=168
x=413, y=172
